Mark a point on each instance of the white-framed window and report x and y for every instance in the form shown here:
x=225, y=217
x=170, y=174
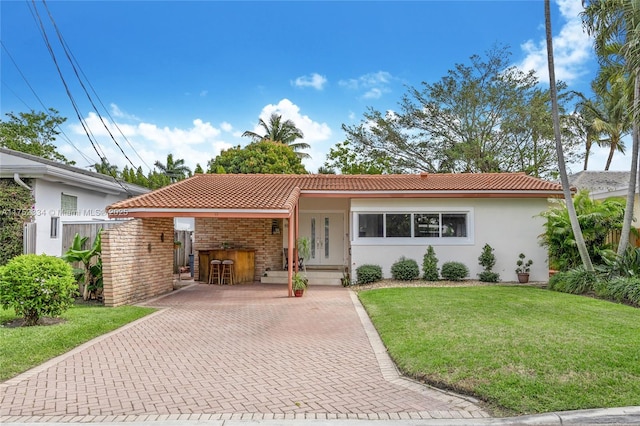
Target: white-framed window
x=68, y=205
x=55, y=225
x=414, y=227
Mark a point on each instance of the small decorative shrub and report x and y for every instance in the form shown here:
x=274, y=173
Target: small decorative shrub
x=368, y=274
x=523, y=266
x=487, y=260
x=405, y=269
x=489, y=277
x=454, y=271
x=36, y=286
x=430, y=265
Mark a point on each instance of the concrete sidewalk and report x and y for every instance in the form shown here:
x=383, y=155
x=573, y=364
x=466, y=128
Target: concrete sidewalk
x=227, y=355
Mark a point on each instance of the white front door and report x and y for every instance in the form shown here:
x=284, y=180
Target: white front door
x=326, y=236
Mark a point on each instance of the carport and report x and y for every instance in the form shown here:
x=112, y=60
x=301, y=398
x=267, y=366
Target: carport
x=137, y=255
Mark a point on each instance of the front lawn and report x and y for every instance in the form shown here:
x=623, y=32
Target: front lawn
x=22, y=348
x=521, y=349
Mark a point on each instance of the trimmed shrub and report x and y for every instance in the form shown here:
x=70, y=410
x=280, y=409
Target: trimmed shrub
x=430, y=265
x=368, y=274
x=36, y=286
x=405, y=269
x=489, y=277
x=454, y=271
x=487, y=260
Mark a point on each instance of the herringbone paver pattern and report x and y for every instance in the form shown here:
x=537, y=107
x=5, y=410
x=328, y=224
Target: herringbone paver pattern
x=216, y=352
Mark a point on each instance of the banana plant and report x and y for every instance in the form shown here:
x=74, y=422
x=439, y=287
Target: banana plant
x=90, y=275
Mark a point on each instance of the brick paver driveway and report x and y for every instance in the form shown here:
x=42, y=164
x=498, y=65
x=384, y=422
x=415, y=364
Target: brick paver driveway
x=216, y=352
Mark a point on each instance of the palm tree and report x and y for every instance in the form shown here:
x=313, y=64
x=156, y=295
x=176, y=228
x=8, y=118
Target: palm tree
x=573, y=217
x=174, y=169
x=608, y=115
x=615, y=25
x=281, y=131
x=106, y=168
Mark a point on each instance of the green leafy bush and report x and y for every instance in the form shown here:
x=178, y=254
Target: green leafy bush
x=405, y=269
x=430, y=265
x=596, y=217
x=16, y=203
x=574, y=281
x=36, y=286
x=368, y=274
x=454, y=271
x=487, y=260
x=489, y=277
x=627, y=265
x=620, y=289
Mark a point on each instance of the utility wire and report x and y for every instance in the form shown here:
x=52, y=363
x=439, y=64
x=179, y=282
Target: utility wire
x=60, y=129
x=75, y=70
x=95, y=145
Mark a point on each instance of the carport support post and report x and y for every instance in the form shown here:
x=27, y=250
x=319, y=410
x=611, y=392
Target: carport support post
x=290, y=255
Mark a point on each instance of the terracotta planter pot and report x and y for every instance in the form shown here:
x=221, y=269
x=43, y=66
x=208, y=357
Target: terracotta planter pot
x=523, y=278
x=298, y=293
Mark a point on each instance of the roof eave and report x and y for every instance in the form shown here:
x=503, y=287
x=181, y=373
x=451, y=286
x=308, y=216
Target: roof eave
x=116, y=213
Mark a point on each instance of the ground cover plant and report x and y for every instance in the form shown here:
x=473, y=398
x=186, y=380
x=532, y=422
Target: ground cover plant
x=521, y=349
x=22, y=348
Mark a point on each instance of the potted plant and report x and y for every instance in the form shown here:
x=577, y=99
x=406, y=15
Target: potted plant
x=523, y=268
x=299, y=284
x=177, y=244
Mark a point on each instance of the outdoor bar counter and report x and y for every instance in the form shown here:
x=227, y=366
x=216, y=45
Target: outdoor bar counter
x=243, y=259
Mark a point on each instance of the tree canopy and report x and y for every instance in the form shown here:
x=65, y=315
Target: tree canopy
x=485, y=116
x=33, y=133
x=258, y=157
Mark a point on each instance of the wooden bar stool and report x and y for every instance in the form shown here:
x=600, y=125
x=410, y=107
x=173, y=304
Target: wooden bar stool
x=215, y=272
x=228, y=271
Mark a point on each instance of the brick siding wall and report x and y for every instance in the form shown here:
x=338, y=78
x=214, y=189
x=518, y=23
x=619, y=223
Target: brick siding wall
x=137, y=265
x=256, y=234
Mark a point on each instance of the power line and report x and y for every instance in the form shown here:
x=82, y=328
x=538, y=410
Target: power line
x=95, y=145
x=65, y=137
x=75, y=70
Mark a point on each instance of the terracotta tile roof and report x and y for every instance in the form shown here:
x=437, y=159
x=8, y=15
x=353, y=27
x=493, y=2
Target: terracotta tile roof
x=279, y=192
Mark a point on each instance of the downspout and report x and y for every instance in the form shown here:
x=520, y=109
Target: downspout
x=16, y=178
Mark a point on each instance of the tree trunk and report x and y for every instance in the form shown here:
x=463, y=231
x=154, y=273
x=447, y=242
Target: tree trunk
x=633, y=175
x=575, y=225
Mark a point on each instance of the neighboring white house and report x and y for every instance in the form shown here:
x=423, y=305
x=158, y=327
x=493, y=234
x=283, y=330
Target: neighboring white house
x=606, y=184
x=63, y=194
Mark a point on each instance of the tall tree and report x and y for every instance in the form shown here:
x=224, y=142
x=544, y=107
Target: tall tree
x=257, y=157
x=281, y=131
x=175, y=170
x=33, y=133
x=564, y=178
x=485, y=116
x=350, y=160
x=609, y=114
x=615, y=25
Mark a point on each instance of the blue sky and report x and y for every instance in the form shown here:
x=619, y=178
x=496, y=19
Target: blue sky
x=188, y=77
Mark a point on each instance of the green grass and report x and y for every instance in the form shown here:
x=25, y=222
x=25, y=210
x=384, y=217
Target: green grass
x=521, y=349
x=22, y=348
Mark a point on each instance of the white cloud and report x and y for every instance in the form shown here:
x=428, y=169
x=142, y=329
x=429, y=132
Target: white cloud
x=118, y=113
x=196, y=144
x=572, y=47
x=374, y=85
x=226, y=127
x=204, y=93
x=314, y=80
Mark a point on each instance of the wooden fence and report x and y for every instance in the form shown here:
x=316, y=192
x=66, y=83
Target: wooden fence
x=91, y=229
